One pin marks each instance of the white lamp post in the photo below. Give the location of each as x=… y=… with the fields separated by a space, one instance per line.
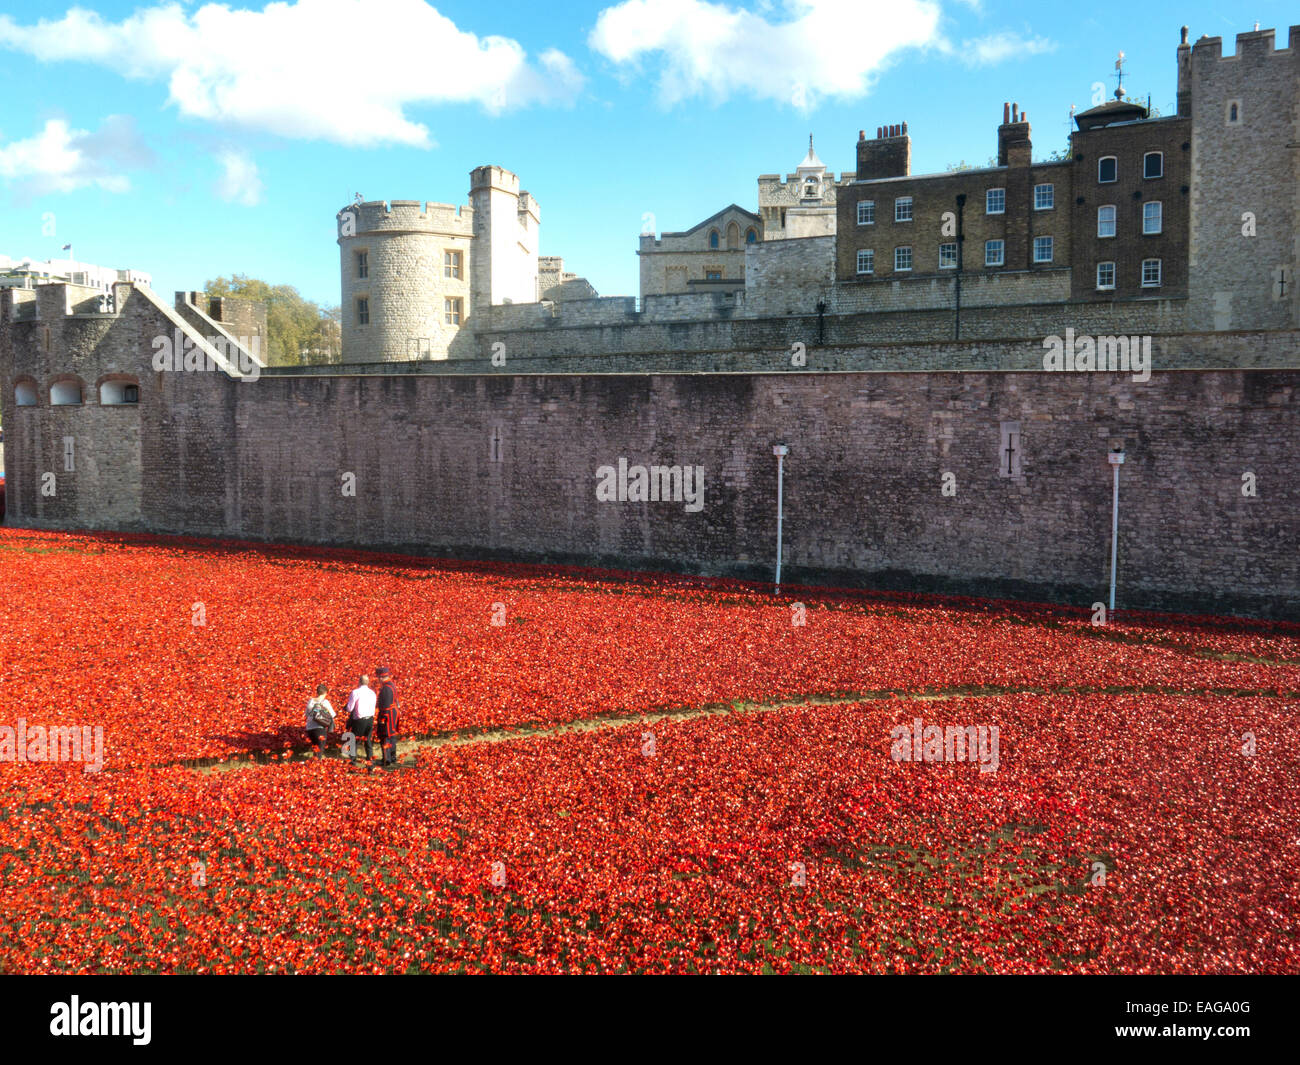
x=780 y=451
x=1116 y=459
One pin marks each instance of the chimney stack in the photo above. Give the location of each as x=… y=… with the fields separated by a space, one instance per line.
x=1014 y=145
x=889 y=155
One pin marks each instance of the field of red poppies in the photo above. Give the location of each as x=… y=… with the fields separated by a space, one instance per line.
x=627 y=773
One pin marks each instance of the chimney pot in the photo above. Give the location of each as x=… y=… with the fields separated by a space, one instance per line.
x=904 y=128
x=862 y=134
x=1006 y=113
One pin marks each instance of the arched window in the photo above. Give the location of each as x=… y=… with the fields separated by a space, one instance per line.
x=713 y=238
x=119 y=392
x=25 y=392
x=65 y=392
x=733 y=235
x=751 y=237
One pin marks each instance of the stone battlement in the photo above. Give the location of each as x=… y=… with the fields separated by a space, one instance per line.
x=1252 y=46
x=376 y=216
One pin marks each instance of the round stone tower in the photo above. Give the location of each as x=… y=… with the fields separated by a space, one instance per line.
x=405 y=269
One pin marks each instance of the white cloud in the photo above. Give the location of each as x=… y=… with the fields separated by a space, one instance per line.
x=823 y=48
x=239 y=181
x=62 y=159
x=335 y=70
x=997 y=47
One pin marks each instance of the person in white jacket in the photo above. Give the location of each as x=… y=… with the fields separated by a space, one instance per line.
x=361 y=715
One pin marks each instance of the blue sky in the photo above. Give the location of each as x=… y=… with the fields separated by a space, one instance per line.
x=194 y=140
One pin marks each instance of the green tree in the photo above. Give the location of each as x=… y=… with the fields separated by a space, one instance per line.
x=299 y=331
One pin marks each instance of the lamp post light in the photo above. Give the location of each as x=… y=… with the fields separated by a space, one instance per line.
x=1116 y=459
x=961 y=240
x=780 y=451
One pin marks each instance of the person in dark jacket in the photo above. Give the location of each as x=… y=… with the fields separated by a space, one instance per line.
x=386 y=720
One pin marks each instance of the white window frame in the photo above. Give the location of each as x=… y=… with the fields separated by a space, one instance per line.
x=1157 y=155
x=988 y=201
x=1002 y=252
x=1050 y=197
x=1113 y=277
x=1100 y=179
x=868 y=256
x=903 y=269
x=900 y=203
x=1051 y=249
x=866 y=212
x=1114 y=221
x=1160 y=273
x=1160 y=218
x=949 y=265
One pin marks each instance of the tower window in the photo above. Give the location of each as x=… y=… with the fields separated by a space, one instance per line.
x=1107 y=169
x=452 y=307
x=25 y=394
x=714 y=238
x=1152 y=217
x=1153 y=165
x=1234 y=113
x=1009 y=450
x=712 y=275
x=118 y=393
x=363 y=311
x=363 y=266
x=451 y=264
x=1106 y=221
x=65 y=393
x=751 y=236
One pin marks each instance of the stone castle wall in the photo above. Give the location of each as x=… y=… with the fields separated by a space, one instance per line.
x=505 y=465
x=1252 y=165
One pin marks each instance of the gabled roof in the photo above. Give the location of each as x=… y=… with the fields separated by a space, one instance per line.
x=714 y=218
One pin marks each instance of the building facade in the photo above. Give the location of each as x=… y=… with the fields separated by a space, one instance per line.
x=803 y=204
x=710 y=256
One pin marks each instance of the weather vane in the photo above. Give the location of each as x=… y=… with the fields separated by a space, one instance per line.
x=1119 y=76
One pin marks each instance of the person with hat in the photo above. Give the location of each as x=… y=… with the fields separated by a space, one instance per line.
x=386 y=721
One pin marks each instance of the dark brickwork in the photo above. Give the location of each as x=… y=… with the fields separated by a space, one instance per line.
x=1129 y=144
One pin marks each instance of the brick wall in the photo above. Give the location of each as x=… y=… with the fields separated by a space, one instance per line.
x=505 y=465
